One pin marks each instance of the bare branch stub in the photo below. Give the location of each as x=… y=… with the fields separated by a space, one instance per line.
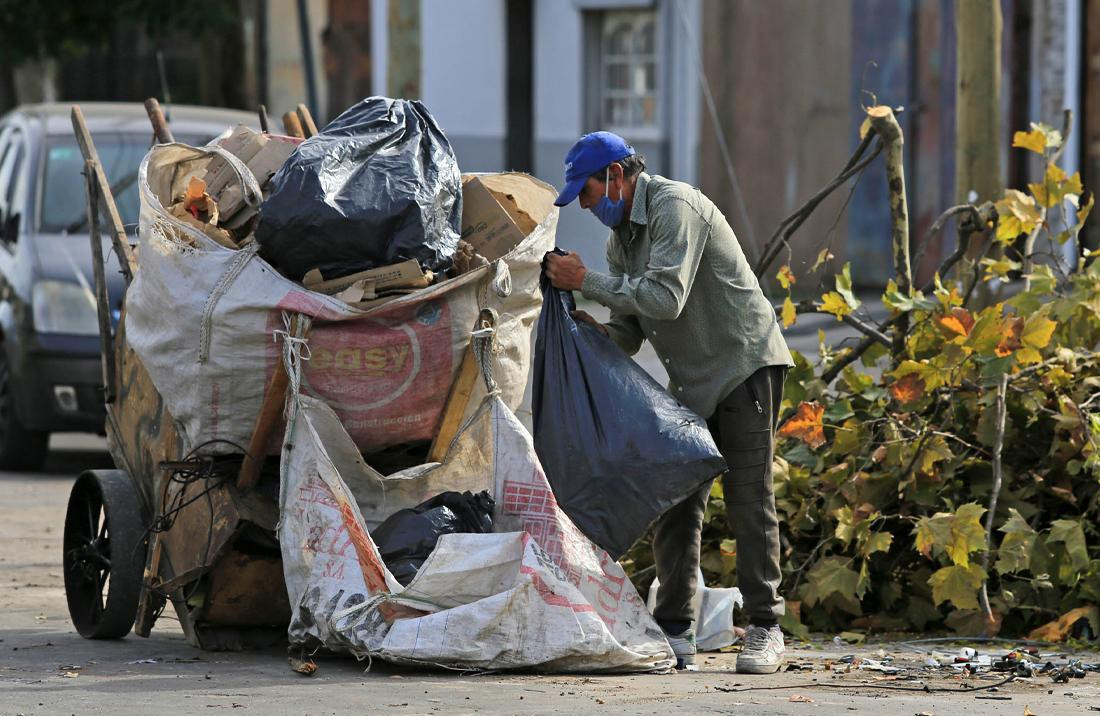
x=886 y=126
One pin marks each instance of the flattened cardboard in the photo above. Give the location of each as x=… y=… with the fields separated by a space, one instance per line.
x=405 y=274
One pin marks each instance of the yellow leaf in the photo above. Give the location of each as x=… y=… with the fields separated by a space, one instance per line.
x=1073 y=184
x=789 y=315
x=1013 y=327
x=1038 y=331
x=806 y=425
x=967 y=533
x=1017 y=214
x=1034 y=140
x=1027 y=356
x=1009 y=227
x=832 y=302
x=1083 y=212
x=930 y=374
x=1049 y=193
x=1059 y=629
x=958 y=322
x=958 y=584
x=865 y=128
x=786 y=277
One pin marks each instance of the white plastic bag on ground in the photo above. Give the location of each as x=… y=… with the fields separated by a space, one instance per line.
x=201 y=318
x=713 y=613
x=534 y=594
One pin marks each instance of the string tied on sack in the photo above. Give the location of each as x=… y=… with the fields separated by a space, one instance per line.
x=482 y=340
x=295 y=349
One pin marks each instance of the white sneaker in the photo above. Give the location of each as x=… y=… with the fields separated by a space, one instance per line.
x=763 y=651
x=683 y=648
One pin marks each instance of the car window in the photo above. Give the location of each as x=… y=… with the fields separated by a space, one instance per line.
x=11 y=154
x=63 y=207
x=15 y=174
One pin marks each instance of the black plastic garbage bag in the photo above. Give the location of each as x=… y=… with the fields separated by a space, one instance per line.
x=407 y=537
x=617 y=449
x=378 y=185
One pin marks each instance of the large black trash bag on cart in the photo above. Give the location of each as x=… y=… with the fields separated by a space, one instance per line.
x=617 y=449
x=407 y=537
x=378 y=185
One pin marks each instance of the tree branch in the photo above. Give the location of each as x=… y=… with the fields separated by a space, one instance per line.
x=789 y=225
x=998 y=444
x=808 y=306
x=937 y=226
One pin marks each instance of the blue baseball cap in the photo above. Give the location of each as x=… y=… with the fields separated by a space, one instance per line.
x=591 y=153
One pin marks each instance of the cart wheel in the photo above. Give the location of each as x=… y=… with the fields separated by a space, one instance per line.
x=104 y=559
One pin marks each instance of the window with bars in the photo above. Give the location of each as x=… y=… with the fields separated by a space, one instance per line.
x=628 y=70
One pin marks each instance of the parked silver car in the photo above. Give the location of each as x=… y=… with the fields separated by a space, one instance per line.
x=50 y=376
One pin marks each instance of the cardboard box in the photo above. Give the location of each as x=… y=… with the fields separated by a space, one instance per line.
x=500 y=210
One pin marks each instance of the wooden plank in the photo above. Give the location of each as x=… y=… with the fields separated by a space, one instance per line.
x=267 y=421
x=458 y=397
x=103 y=306
x=118 y=229
x=308 y=125
x=461 y=390
x=293 y=125
x=160 y=124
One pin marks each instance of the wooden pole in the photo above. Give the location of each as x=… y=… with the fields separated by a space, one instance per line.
x=309 y=127
x=103 y=307
x=885 y=124
x=292 y=125
x=978 y=142
x=403 y=66
x=160 y=124
x=118 y=231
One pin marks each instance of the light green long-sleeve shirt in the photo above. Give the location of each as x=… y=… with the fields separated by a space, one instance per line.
x=678 y=277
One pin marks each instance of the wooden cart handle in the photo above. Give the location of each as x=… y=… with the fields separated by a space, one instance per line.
x=160 y=124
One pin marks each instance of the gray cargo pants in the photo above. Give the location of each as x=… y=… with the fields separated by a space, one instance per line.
x=743 y=426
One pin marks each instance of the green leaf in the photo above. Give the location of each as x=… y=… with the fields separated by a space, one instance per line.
x=1070 y=533
x=822 y=256
x=792 y=625
x=957 y=584
x=957 y=535
x=876 y=542
x=844 y=286
x=830 y=576
x=986 y=333
x=933 y=534
x=846 y=439
x=1014 y=554
x=999 y=268
x=838 y=411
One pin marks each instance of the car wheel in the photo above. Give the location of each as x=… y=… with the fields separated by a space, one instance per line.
x=20 y=448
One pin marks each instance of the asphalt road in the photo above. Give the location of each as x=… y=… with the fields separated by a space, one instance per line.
x=46 y=668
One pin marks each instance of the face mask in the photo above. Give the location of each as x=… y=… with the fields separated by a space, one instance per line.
x=610 y=213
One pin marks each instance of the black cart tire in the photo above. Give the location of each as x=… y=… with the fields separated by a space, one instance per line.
x=104 y=554
x=20 y=448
